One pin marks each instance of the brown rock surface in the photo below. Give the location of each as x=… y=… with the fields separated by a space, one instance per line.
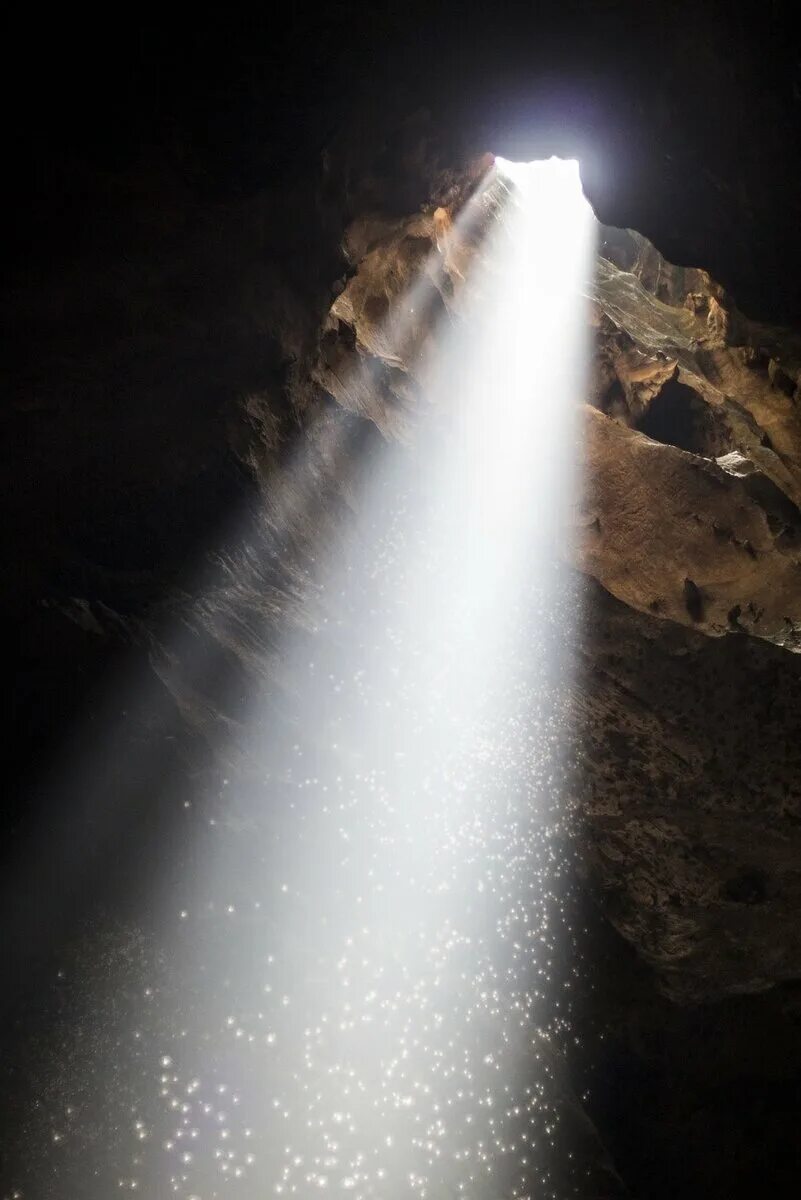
x=688 y=721
x=663 y=526
x=689 y=784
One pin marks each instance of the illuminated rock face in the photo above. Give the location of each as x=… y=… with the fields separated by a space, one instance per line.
x=691 y=448
x=702 y=512
x=689 y=723
x=679 y=536
x=687 y=699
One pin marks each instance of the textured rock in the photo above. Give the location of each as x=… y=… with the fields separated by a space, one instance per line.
x=690 y=789
x=687 y=722
x=673 y=533
x=676 y=361
x=663 y=526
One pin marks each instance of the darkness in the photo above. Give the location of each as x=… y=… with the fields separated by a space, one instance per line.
x=138 y=149
x=685 y=116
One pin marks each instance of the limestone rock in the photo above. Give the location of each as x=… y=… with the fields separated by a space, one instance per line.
x=662 y=525
x=671 y=533
x=689 y=763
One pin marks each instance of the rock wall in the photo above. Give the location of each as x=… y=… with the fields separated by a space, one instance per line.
x=690 y=454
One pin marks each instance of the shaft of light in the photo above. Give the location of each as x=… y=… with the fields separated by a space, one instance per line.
x=368 y=951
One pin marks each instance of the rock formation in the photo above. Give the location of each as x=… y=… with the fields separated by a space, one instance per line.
x=691 y=453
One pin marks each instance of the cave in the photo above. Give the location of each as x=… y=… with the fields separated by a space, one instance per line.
x=402 y=603
x=677 y=416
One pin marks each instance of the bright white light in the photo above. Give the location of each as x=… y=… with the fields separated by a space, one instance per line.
x=556 y=174
x=406 y=849
x=516 y=367
x=368 y=949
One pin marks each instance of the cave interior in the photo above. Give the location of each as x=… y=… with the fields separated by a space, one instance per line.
x=210 y=222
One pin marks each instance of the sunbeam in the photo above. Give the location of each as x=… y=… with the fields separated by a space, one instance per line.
x=388 y=944
x=373 y=949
